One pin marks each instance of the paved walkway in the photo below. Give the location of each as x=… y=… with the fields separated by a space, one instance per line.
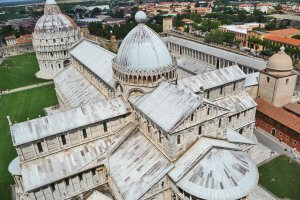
x=273 y=143
x=260 y=193
x=27 y=87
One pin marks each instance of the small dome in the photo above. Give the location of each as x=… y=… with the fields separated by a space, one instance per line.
x=140 y=17
x=142 y=49
x=14 y=167
x=280 y=61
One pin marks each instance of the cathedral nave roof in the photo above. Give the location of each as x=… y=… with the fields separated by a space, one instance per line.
x=42 y=127
x=96 y=59
x=75 y=90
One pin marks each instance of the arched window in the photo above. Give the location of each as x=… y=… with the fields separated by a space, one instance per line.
x=220 y=123
x=200 y=130
x=241 y=131
x=178 y=139
x=208 y=111
x=135 y=80
x=154 y=78
x=192 y=117
x=40 y=148
x=63 y=139
x=159 y=137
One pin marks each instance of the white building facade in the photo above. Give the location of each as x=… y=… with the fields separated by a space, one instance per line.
x=128 y=129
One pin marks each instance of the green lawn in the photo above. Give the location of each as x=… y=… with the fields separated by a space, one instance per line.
x=19 y=106
x=19 y=71
x=281 y=177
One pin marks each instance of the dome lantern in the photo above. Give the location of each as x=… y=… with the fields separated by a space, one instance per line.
x=140 y=17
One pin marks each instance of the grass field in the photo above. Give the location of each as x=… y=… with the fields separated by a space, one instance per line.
x=19 y=106
x=19 y=71
x=281 y=177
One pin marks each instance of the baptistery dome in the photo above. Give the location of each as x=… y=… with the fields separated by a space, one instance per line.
x=53 y=36
x=142 y=48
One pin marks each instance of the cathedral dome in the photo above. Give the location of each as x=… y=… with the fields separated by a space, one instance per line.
x=54 y=20
x=142 y=48
x=280 y=61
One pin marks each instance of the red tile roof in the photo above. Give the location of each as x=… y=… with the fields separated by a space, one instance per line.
x=279 y=114
x=285 y=32
x=283 y=40
x=293 y=107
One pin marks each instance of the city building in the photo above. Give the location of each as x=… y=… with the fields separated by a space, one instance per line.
x=10 y=40
x=27 y=22
x=126 y=128
x=241 y=31
x=167 y=24
x=53 y=36
x=276 y=89
x=263 y=7
x=279 y=123
x=286 y=19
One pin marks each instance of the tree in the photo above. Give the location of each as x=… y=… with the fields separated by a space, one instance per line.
x=278 y=7
x=228 y=37
x=195 y=17
x=296 y=37
x=95 y=11
x=215 y=36
x=208 y=25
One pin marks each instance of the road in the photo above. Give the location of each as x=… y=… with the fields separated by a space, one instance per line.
x=272 y=143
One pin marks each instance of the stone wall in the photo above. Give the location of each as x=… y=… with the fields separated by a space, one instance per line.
x=111 y=45
x=14 y=50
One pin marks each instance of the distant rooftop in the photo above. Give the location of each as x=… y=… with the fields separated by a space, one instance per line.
x=286 y=16
x=242 y=28
x=283 y=40
x=285 y=32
